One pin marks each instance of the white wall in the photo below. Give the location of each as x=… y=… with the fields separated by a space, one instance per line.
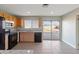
x=42 y=17
x=69 y=28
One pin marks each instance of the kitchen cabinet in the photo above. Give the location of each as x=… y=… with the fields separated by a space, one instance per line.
x=18 y=22
x=37 y=37
x=2 y=14
x=30 y=37
x=12 y=40
x=6 y=16
x=26 y=36
x=9 y=17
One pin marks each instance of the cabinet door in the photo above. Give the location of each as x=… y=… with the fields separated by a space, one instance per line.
x=18 y=22
x=1 y=14
x=21 y=36
x=26 y=37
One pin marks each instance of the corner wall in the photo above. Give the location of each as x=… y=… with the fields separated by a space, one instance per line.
x=69 y=28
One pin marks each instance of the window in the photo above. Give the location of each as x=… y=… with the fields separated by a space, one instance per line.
x=46 y=26
x=27 y=23
x=31 y=23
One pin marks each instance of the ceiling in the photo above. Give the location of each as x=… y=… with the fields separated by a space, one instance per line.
x=37 y=9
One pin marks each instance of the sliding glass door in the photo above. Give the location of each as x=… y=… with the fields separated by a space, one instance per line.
x=55 y=30
x=50 y=30
x=47 y=30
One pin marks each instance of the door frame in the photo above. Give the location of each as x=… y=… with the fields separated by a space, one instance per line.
x=77 y=32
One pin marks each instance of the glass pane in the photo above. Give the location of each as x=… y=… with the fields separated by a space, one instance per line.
x=55 y=30
x=47 y=23
x=27 y=23
x=31 y=24
x=55 y=26
x=47 y=29
x=47 y=26
x=35 y=24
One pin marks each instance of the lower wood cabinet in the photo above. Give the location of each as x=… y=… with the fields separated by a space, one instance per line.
x=26 y=36
x=30 y=37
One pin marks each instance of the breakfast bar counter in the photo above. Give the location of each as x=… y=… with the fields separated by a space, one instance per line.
x=30 y=35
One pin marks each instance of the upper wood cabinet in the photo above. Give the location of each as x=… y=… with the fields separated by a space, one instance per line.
x=7 y=16
x=18 y=22
x=1 y=14
x=10 y=17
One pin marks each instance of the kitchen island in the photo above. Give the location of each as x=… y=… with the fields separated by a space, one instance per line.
x=30 y=35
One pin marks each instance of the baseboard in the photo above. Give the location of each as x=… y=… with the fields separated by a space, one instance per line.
x=26 y=42
x=69 y=44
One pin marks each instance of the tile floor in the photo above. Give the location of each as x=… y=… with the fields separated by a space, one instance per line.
x=46 y=47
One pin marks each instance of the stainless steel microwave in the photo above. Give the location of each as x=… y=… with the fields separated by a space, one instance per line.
x=7 y=24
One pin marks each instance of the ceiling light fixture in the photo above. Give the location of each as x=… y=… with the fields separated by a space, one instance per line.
x=28 y=12
x=51 y=12
x=45 y=5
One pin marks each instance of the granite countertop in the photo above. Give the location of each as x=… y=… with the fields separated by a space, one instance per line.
x=29 y=30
